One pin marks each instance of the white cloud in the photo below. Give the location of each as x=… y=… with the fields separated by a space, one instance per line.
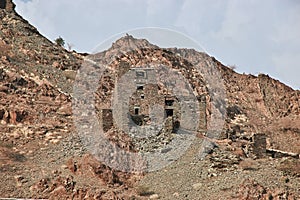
x=257 y=36
x=248 y=34
x=163 y=12
x=84 y=23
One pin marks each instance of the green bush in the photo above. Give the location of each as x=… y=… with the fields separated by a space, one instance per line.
x=60 y=41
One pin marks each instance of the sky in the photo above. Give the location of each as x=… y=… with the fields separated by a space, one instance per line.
x=254 y=36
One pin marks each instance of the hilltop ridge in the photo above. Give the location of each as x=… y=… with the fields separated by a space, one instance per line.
x=256 y=154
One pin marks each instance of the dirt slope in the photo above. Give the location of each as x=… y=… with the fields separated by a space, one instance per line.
x=42 y=155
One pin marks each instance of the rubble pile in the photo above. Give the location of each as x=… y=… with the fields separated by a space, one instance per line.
x=42 y=155
x=250 y=189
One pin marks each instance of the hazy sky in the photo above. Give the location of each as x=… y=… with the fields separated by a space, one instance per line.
x=256 y=36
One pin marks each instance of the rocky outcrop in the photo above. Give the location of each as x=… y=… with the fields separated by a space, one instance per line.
x=37 y=130
x=250 y=189
x=8 y=5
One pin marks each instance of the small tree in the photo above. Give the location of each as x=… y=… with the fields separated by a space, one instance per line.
x=60 y=41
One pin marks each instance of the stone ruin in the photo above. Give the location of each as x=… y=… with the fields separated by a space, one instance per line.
x=260 y=148
x=149 y=96
x=259 y=145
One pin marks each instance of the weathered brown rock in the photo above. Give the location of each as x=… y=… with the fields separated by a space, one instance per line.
x=37 y=130
x=8 y=5
x=250 y=189
x=65 y=109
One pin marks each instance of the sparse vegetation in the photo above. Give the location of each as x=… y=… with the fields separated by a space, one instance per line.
x=60 y=41
x=250 y=154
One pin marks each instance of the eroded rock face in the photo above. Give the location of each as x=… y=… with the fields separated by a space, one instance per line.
x=36 y=120
x=8 y=5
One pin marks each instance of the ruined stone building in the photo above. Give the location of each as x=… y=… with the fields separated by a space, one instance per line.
x=151 y=108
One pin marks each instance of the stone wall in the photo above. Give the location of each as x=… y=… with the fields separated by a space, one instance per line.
x=260 y=145
x=144 y=98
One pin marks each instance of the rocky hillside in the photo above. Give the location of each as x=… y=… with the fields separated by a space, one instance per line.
x=255 y=156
